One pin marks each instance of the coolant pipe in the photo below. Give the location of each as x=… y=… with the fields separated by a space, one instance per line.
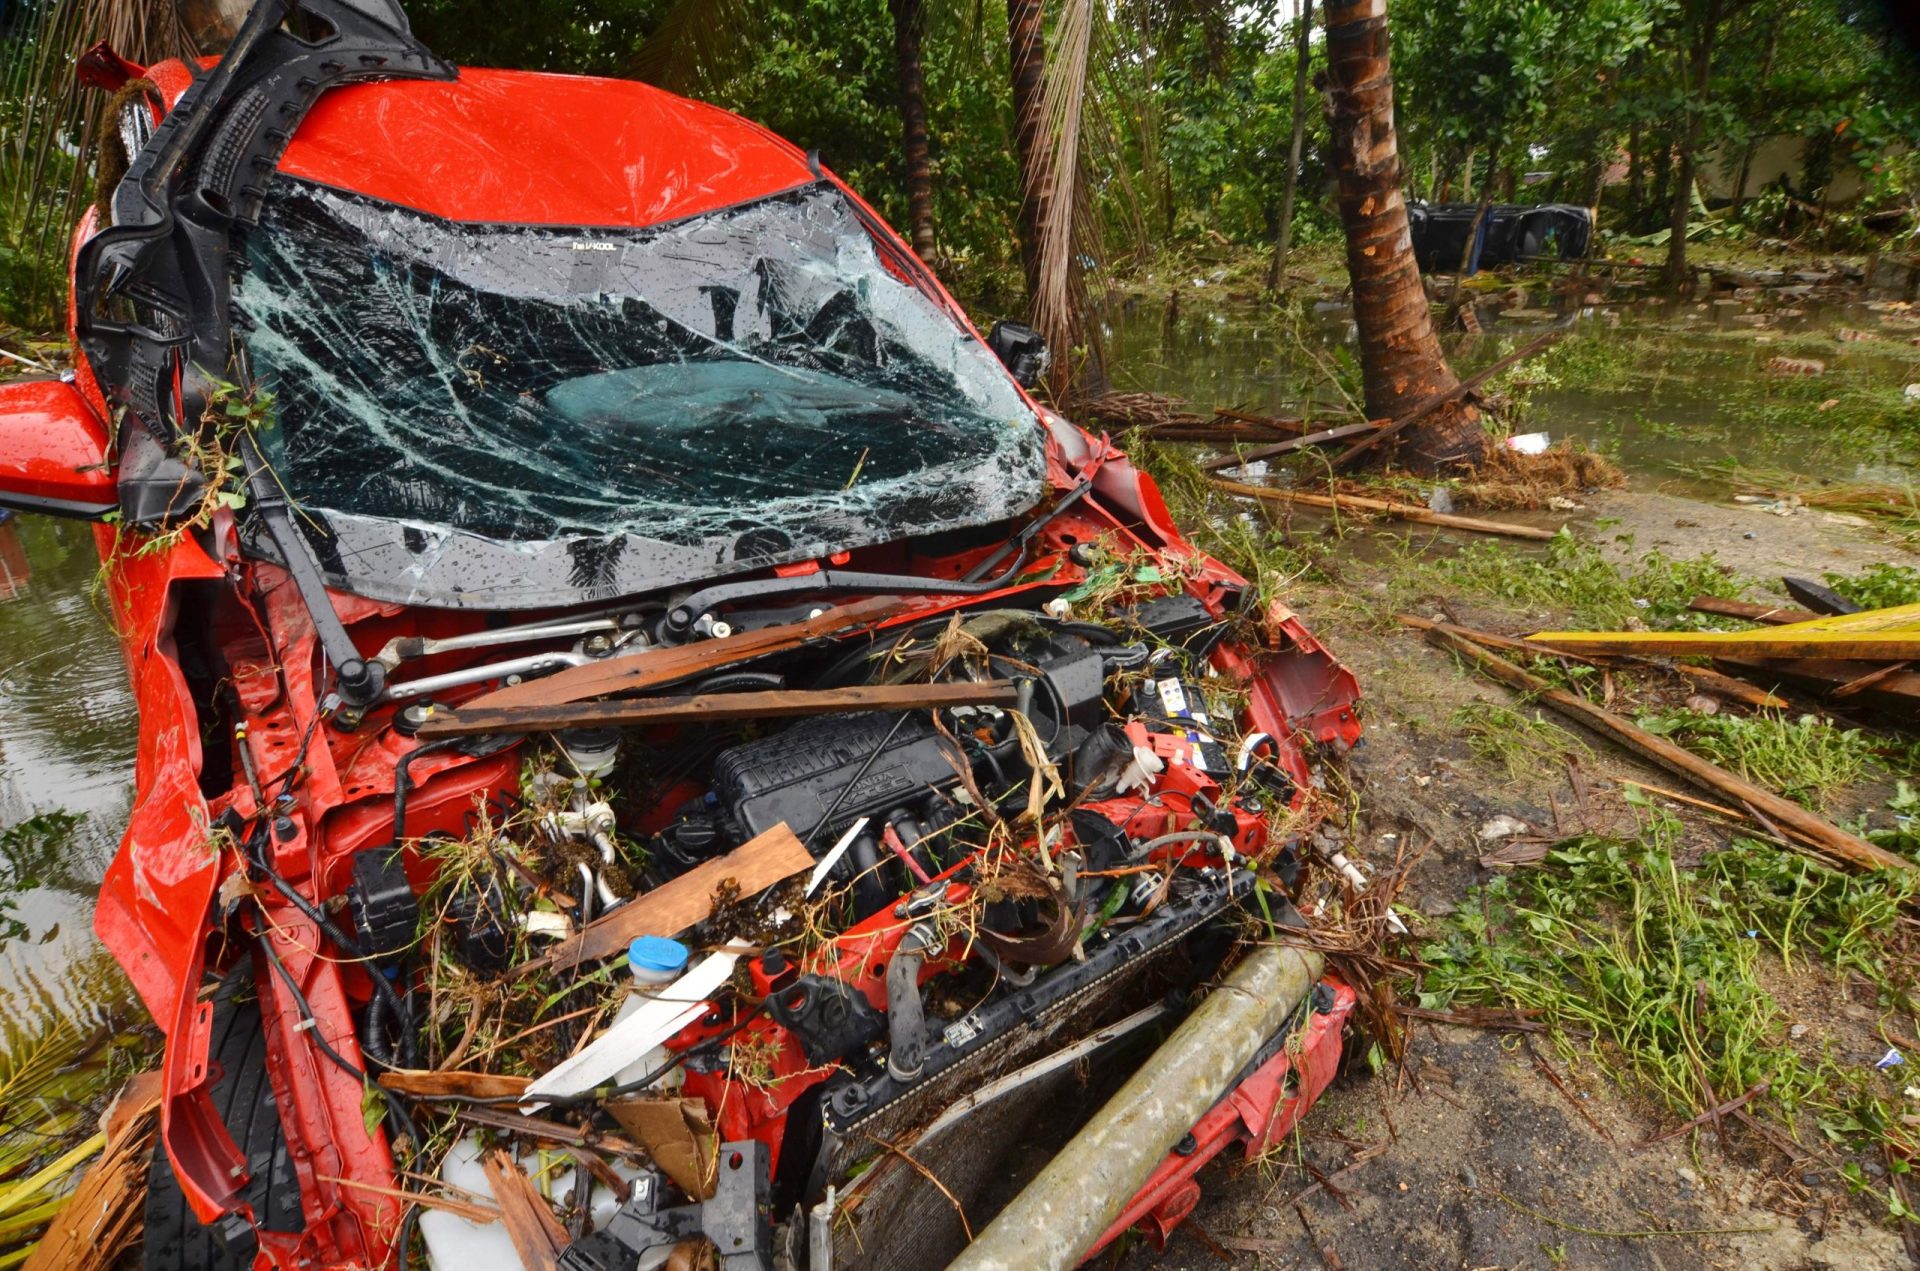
x=906 y=1020
x=1080 y=1193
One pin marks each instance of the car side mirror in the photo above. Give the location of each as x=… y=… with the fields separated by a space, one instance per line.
x=53 y=451
x=1021 y=349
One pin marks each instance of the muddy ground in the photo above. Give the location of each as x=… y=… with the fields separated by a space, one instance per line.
x=1471 y=1155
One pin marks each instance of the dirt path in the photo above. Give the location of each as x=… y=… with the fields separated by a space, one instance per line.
x=1472 y=1156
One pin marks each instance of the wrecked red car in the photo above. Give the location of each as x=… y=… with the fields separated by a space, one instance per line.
x=544 y=514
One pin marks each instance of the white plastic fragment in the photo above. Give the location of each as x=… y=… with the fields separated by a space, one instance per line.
x=1529 y=443
x=833 y=856
x=672 y=1009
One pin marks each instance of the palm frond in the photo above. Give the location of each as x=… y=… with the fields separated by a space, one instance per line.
x=1056 y=183
x=53 y=122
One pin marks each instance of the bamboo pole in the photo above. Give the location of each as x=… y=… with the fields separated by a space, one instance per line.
x=1071 y=1203
x=1401 y=511
x=1827 y=839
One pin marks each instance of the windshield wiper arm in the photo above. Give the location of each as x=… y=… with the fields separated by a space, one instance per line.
x=358 y=680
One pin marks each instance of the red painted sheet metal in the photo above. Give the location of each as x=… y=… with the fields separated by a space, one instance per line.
x=526 y=148
x=52 y=446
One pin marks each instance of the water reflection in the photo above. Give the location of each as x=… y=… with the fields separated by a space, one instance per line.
x=67 y=736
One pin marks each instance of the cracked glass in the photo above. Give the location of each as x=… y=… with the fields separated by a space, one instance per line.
x=515 y=415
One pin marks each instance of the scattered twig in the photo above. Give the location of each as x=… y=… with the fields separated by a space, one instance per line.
x=1711 y=1114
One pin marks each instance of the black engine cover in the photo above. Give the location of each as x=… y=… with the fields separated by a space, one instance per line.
x=796 y=775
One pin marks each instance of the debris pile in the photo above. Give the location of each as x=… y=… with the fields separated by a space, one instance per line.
x=726 y=958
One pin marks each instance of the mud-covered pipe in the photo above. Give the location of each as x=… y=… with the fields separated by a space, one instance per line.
x=1053 y=1223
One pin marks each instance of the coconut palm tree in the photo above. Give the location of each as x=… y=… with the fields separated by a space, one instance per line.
x=1400 y=357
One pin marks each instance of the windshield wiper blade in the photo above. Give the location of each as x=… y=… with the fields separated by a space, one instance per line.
x=682 y=618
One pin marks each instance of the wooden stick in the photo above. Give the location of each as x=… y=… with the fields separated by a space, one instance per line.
x=1428 y=405
x=1403 y=511
x=642 y=671
x=718 y=708
x=536 y=1234
x=1713 y=681
x=678 y=903
x=1870 y=679
x=1730 y=813
x=1778 y=615
x=1711 y=1114
x=1727 y=686
x=1292 y=444
x=1828 y=839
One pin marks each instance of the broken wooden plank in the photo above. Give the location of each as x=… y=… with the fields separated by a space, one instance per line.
x=1402 y=511
x=1870 y=679
x=718 y=708
x=656 y=667
x=537 y=1235
x=425 y=1084
x=1292 y=444
x=1832 y=842
x=1427 y=405
x=1778 y=615
x=678 y=903
x=1898 y=690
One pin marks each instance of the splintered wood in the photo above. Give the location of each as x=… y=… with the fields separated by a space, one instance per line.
x=677 y=904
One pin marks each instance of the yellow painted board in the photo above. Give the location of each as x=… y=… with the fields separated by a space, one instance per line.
x=1887 y=635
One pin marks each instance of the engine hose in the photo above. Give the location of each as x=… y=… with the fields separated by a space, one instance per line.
x=869 y=893
x=403 y=780
x=737 y=682
x=906 y=1018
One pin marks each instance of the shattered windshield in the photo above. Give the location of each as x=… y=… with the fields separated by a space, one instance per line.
x=514 y=415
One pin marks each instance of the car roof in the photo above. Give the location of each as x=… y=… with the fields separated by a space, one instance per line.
x=529 y=148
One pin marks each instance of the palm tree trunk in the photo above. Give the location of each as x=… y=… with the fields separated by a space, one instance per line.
x=1027 y=61
x=1400 y=357
x=908 y=23
x=1696 y=71
x=1283 y=236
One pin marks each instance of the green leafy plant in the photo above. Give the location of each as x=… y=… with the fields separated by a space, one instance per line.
x=1578 y=577
x=1881 y=585
x=1658 y=972
x=1805 y=758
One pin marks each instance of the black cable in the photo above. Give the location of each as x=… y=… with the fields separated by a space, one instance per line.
x=389 y=998
x=403 y=779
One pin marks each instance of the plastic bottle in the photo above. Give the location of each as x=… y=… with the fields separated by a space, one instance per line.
x=655 y=962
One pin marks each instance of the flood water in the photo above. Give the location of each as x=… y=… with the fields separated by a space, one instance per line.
x=66 y=746
x=1665 y=391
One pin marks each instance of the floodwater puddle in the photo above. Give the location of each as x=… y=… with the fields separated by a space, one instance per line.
x=1668 y=391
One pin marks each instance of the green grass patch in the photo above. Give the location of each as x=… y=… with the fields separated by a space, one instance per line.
x=1666 y=969
x=1879 y=586
x=1514 y=739
x=1804 y=759
x=1576 y=576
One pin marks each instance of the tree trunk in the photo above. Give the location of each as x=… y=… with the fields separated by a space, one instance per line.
x=1697 y=68
x=1283 y=237
x=908 y=23
x=1400 y=355
x=1027 y=60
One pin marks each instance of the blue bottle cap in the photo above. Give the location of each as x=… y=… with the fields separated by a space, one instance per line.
x=657 y=955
